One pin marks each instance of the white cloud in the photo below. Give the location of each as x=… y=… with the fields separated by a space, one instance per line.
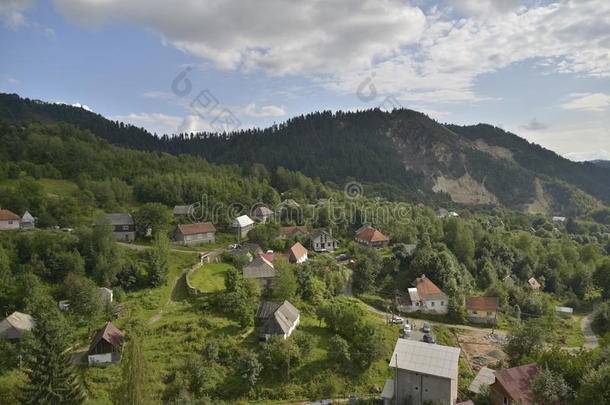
x=11 y=80
x=158 y=94
x=251 y=110
x=535 y=125
x=601 y=154
x=588 y=102
x=12 y=12
x=77 y=105
x=161 y=124
x=575 y=141
x=429 y=58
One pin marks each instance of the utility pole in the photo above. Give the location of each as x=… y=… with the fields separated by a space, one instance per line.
x=396 y=380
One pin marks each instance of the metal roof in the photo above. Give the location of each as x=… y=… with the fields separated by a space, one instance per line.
x=388 y=389
x=426 y=358
x=120 y=219
x=485 y=377
x=14 y=325
x=242 y=221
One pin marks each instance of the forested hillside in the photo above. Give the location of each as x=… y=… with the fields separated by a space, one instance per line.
x=402 y=155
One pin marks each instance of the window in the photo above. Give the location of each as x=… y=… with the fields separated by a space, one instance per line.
x=442 y=303
x=505 y=401
x=474 y=312
x=432 y=303
x=125 y=227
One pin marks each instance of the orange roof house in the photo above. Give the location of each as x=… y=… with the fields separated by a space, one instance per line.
x=482 y=309
x=198 y=233
x=9 y=220
x=289 y=231
x=372 y=237
x=297 y=253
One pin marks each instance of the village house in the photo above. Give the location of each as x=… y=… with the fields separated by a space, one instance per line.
x=260 y=269
x=15 y=325
x=484 y=378
x=513 y=385
x=262 y=214
x=242 y=225
x=425 y=373
x=239 y=254
x=182 y=211
x=9 y=220
x=297 y=253
x=195 y=234
x=482 y=309
x=293 y=231
x=253 y=247
x=27 y=221
x=123 y=226
x=560 y=220
x=425 y=297
x=373 y=238
x=534 y=283
x=106 y=346
x=277 y=318
x=323 y=241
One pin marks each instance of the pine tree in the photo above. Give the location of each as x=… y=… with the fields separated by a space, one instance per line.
x=50 y=374
x=158 y=260
x=133 y=389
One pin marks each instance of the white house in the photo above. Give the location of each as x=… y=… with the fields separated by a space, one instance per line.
x=242 y=225
x=425 y=296
x=297 y=253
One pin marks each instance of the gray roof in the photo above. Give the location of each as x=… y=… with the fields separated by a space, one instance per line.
x=262 y=211
x=242 y=221
x=182 y=209
x=27 y=217
x=484 y=378
x=320 y=233
x=253 y=247
x=426 y=358
x=14 y=325
x=280 y=317
x=259 y=268
x=120 y=219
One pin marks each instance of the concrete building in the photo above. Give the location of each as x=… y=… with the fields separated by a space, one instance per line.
x=242 y=225
x=423 y=373
x=425 y=297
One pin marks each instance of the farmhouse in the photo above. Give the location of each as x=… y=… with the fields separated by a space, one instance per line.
x=323 y=241
x=9 y=220
x=482 y=309
x=123 y=226
x=15 y=325
x=106 y=346
x=27 y=221
x=253 y=247
x=513 y=385
x=297 y=253
x=277 y=318
x=425 y=296
x=372 y=237
x=242 y=225
x=181 y=211
x=293 y=231
x=260 y=269
x=195 y=234
x=426 y=373
x=262 y=214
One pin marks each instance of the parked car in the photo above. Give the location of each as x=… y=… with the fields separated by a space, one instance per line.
x=396 y=319
x=234 y=246
x=429 y=338
x=426 y=328
x=407 y=328
x=342 y=257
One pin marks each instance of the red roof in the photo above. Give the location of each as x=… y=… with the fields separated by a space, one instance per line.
x=516 y=382
x=482 y=303
x=267 y=256
x=6 y=215
x=297 y=251
x=290 y=230
x=372 y=235
x=426 y=289
x=110 y=334
x=193 y=229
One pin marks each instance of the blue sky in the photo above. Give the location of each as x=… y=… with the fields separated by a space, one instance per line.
x=540 y=69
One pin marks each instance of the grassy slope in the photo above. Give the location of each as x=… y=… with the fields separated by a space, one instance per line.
x=210 y=277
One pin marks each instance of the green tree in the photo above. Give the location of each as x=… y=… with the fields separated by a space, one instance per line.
x=85 y=297
x=550 y=388
x=153 y=217
x=249 y=368
x=595 y=386
x=134 y=387
x=158 y=260
x=285 y=284
x=51 y=379
x=524 y=340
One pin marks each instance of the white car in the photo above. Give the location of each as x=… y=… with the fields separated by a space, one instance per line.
x=396 y=319
x=407 y=328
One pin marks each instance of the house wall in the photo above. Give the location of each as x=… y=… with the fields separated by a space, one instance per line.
x=417 y=389
x=12 y=224
x=498 y=394
x=125 y=236
x=324 y=243
x=243 y=231
x=488 y=317
x=435 y=306
x=195 y=239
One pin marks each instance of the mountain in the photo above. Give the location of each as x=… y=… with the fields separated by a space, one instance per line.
x=602 y=163
x=403 y=152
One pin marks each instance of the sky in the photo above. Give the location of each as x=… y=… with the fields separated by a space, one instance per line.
x=537 y=68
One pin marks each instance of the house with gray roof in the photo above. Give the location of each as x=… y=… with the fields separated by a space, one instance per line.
x=182 y=211
x=27 y=221
x=426 y=373
x=262 y=270
x=123 y=226
x=277 y=318
x=323 y=241
x=15 y=325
